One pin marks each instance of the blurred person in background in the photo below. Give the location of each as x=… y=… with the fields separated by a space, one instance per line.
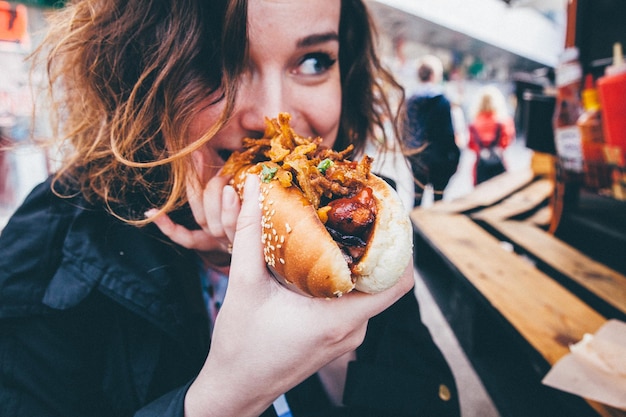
x=491 y=131
x=429 y=137
x=6 y=179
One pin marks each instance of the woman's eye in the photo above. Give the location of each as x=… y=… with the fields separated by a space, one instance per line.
x=317 y=63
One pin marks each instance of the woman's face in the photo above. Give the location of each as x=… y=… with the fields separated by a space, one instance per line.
x=293 y=67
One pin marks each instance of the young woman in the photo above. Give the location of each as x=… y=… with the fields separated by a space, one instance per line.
x=491 y=131
x=100 y=316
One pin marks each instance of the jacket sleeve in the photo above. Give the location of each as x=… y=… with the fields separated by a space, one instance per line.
x=171 y=404
x=508 y=132
x=46 y=368
x=54 y=365
x=400 y=371
x=70 y=344
x=473 y=140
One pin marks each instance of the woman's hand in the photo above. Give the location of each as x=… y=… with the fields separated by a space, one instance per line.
x=215 y=206
x=267 y=338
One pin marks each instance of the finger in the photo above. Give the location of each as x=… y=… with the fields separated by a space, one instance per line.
x=196 y=181
x=247 y=246
x=231 y=206
x=212 y=203
x=386 y=298
x=195 y=199
x=191 y=239
x=356 y=307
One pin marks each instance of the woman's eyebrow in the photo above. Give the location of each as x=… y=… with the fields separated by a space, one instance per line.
x=317 y=39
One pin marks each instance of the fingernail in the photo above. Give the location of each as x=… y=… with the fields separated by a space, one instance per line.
x=251 y=188
x=151 y=213
x=253 y=180
x=229 y=197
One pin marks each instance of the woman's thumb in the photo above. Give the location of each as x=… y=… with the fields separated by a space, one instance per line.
x=247 y=245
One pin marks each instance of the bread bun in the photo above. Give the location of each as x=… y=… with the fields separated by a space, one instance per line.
x=303 y=256
x=297 y=247
x=390 y=247
x=312 y=195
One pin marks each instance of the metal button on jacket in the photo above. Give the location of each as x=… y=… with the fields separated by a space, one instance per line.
x=444 y=392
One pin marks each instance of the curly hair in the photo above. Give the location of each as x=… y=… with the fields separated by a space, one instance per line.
x=127 y=77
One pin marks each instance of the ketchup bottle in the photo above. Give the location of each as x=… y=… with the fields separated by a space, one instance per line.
x=612 y=89
x=568 y=109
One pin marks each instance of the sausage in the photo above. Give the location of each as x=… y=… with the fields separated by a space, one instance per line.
x=354 y=215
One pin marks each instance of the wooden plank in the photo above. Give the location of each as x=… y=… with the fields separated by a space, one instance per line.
x=606 y=410
x=541 y=217
x=523 y=201
x=547 y=315
x=486 y=193
x=596 y=277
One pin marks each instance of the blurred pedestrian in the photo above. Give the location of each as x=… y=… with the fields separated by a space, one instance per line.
x=6 y=186
x=491 y=131
x=429 y=138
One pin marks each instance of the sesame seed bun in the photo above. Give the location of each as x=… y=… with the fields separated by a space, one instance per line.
x=390 y=248
x=303 y=256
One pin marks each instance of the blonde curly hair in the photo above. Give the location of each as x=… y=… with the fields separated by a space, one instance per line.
x=127 y=77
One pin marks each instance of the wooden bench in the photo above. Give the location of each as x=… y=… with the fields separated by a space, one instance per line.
x=541 y=217
x=487 y=193
x=526 y=200
x=508 y=293
x=608 y=285
x=532 y=302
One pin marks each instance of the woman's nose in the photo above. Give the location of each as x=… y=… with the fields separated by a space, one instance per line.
x=260 y=98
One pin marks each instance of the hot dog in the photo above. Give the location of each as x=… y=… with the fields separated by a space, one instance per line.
x=329 y=224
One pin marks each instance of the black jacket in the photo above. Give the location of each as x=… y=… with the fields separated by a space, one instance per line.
x=429 y=122
x=99 y=318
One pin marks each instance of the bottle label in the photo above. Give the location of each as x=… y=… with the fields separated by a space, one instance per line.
x=568 y=73
x=569 y=147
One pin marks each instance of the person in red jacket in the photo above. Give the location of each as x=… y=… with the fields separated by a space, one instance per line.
x=491 y=131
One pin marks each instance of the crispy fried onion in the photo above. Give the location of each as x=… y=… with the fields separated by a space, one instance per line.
x=293 y=160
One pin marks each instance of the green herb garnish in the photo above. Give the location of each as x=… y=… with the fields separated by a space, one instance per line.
x=267 y=173
x=324 y=165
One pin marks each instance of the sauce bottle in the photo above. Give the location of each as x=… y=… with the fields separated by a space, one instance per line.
x=597 y=173
x=568 y=109
x=612 y=90
x=612 y=87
